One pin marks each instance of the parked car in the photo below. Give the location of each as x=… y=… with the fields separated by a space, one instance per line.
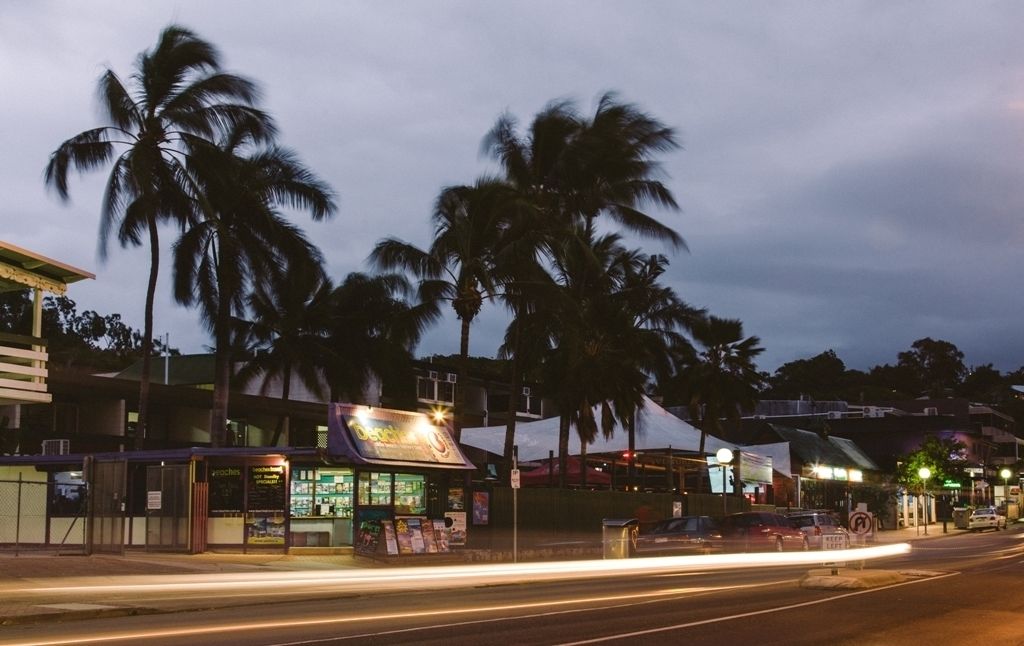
x=759 y=531
x=817 y=525
x=687 y=534
x=985 y=518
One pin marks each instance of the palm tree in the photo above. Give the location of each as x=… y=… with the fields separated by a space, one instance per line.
x=240 y=239
x=458 y=266
x=177 y=95
x=573 y=170
x=290 y=318
x=722 y=379
x=372 y=332
x=611 y=329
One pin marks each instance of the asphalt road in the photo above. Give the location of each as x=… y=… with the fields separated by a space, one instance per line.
x=965 y=589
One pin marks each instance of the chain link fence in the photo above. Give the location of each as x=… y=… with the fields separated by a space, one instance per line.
x=25 y=525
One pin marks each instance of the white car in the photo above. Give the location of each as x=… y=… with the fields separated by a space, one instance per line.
x=985 y=518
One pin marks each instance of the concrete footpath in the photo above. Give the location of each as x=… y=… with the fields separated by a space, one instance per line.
x=34 y=570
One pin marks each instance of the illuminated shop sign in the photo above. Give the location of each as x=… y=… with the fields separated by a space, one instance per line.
x=378 y=434
x=838 y=473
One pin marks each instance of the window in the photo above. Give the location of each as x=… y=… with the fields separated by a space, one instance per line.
x=433 y=389
x=68 y=496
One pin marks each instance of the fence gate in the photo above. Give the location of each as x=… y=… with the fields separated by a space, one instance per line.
x=106 y=505
x=167 y=504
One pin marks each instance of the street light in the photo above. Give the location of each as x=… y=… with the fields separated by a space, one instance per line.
x=724 y=456
x=925 y=473
x=1006 y=486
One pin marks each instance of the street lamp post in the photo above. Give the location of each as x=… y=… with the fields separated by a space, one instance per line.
x=724 y=456
x=925 y=473
x=1006 y=486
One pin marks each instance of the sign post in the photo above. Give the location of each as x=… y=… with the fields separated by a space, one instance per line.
x=515 y=503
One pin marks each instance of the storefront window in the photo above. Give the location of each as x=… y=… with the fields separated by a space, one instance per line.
x=375 y=488
x=410 y=494
x=322 y=492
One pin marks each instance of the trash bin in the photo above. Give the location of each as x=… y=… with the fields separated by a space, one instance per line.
x=960 y=517
x=618 y=536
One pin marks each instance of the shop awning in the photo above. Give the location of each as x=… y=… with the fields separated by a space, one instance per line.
x=370 y=435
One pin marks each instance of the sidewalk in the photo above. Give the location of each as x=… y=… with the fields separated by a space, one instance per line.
x=35 y=571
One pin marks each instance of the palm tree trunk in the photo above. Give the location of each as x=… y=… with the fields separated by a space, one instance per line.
x=283 y=420
x=142 y=425
x=631 y=467
x=563 y=449
x=460 y=388
x=513 y=405
x=222 y=373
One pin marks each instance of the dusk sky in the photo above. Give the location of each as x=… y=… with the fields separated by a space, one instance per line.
x=851 y=178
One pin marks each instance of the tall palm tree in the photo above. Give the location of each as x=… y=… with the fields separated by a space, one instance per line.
x=572 y=170
x=372 y=331
x=177 y=95
x=240 y=238
x=722 y=379
x=290 y=318
x=458 y=265
x=611 y=330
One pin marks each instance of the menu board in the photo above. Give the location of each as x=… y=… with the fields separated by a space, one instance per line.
x=266 y=487
x=225 y=490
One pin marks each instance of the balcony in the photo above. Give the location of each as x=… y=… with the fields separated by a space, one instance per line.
x=23 y=370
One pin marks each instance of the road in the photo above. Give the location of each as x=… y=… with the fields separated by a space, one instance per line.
x=961 y=589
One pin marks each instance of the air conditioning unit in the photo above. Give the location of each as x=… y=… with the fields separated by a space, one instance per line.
x=452 y=377
x=931 y=411
x=432 y=374
x=526 y=391
x=835 y=414
x=56 y=447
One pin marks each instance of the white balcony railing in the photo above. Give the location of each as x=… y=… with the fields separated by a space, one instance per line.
x=23 y=370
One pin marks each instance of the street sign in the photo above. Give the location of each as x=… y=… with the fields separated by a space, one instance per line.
x=515 y=478
x=860 y=523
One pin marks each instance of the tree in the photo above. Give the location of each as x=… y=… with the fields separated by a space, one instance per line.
x=178 y=95
x=290 y=319
x=721 y=379
x=820 y=377
x=372 y=330
x=937 y=365
x=240 y=239
x=983 y=384
x=458 y=267
x=944 y=457
x=571 y=170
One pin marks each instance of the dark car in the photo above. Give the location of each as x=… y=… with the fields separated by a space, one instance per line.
x=760 y=531
x=697 y=534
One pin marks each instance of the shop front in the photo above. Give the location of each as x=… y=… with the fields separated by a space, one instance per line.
x=383 y=470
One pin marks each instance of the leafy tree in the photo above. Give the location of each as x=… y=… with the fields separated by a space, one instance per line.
x=821 y=377
x=938 y=366
x=983 y=383
x=240 y=239
x=945 y=458
x=177 y=95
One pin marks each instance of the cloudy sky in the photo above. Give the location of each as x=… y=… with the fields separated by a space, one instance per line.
x=852 y=175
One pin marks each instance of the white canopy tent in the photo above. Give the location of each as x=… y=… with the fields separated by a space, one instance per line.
x=657 y=429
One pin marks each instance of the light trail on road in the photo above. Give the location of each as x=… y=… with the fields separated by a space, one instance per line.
x=349 y=580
